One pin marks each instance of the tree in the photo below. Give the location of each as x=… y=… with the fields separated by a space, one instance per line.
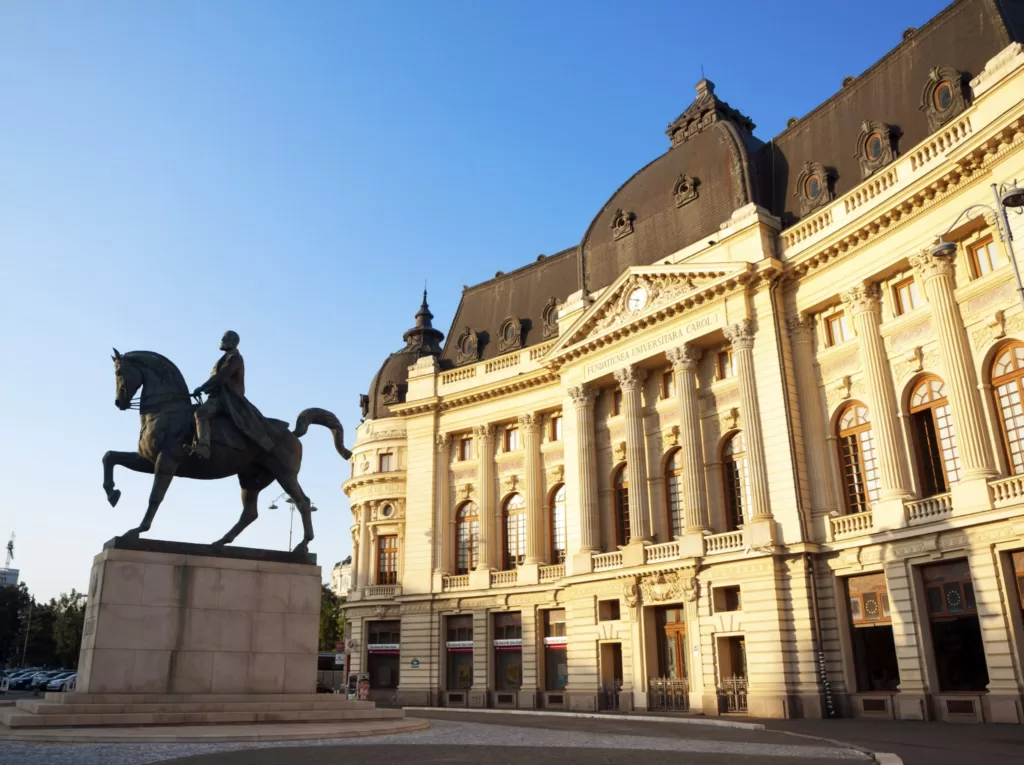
x=69 y=618
x=14 y=600
x=330 y=619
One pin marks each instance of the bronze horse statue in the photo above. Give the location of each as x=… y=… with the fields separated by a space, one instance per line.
x=166 y=411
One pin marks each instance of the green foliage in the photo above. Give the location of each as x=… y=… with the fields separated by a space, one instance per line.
x=54 y=629
x=14 y=600
x=69 y=618
x=330 y=619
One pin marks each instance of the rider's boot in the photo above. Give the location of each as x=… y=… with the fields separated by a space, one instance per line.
x=201 y=448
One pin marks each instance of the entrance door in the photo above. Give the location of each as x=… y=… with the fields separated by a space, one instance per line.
x=671 y=643
x=611 y=675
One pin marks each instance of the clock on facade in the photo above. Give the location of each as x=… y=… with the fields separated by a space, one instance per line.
x=637 y=299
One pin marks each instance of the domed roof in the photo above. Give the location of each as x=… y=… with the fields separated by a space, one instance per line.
x=680 y=198
x=389 y=385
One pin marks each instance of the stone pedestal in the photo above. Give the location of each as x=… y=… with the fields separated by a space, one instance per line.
x=175 y=618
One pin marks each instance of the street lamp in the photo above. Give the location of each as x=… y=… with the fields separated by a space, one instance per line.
x=291 y=512
x=1007 y=195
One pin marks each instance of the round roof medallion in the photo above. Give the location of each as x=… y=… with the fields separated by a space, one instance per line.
x=874 y=146
x=467 y=344
x=387 y=511
x=510 y=332
x=637 y=299
x=813 y=186
x=943 y=96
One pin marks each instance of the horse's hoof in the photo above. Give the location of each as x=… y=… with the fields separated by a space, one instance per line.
x=302 y=547
x=113 y=496
x=219 y=544
x=132 y=534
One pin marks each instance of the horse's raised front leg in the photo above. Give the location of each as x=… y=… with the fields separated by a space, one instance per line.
x=163 y=470
x=130 y=460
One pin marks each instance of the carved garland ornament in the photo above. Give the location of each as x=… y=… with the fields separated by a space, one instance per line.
x=668 y=586
x=660 y=289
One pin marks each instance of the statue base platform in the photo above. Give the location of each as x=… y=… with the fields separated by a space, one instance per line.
x=175 y=618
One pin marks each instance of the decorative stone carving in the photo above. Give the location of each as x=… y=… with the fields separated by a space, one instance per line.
x=509 y=484
x=730 y=419
x=389 y=394
x=661 y=587
x=685 y=189
x=741 y=334
x=364 y=465
x=944 y=96
x=684 y=357
x=483 y=433
x=927 y=266
x=442 y=441
x=670 y=436
x=622 y=224
x=549 y=318
x=661 y=290
x=862 y=297
x=706 y=110
x=630 y=376
x=801 y=327
x=510 y=335
x=619 y=451
x=467 y=347
x=583 y=395
x=813 y=187
x=631 y=592
x=555 y=475
x=915 y=360
x=529 y=420
x=465 y=491
x=876 y=146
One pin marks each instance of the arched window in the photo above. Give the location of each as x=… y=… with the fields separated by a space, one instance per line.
x=621 y=487
x=737 y=481
x=1008 y=384
x=857 y=458
x=674 y=492
x=515 y=531
x=558 y=525
x=938 y=459
x=467 y=535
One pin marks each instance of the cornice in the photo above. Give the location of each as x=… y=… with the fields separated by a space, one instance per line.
x=394 y=476
x=948 y=179
x=518 y=384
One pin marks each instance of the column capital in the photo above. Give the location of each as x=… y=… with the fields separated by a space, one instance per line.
x=442 y=440
x=926 y=265
x=740 y=334
x=529 y=420
x=861 y=298
x=801 y=328
x=583 y=395
x=484 y=432
x=630 y=376
x=684 y=358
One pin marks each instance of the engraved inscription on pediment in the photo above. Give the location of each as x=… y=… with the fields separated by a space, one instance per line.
x=641 y=293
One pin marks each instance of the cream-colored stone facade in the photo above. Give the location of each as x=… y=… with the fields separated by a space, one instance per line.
x=638 y=378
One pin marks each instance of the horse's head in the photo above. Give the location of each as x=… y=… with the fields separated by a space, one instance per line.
x=128 y=379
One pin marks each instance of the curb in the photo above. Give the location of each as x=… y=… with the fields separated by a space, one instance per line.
x=882 y=758
x=595 y=716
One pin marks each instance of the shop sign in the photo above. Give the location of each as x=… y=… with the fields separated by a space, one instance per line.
x=383 y=647
x=512 y=644
x=339 y=660
x=460 y=646
x=558 y=641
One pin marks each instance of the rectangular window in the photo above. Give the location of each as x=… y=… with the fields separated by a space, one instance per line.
x=906 y=296
x=387 y=559
x=837 y=329
x=1018 y=572
x=508 y=651
x=608 y=610
x=556 y=428
x=956 y=631
x=616 y=402
x=465 y=448
x=668 y=384
x=511 y=439
x=727 y=598
x=725 y=364
x=871 y=636
x=459 y=650
x=385 y=463
x=985 y=257
x=383 y=653
x=556 y=663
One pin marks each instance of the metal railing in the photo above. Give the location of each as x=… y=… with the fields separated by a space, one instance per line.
x=733 y=694
x=610 y=692
x=668 y=694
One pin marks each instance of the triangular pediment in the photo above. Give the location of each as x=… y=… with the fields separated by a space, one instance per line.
x=641 y=293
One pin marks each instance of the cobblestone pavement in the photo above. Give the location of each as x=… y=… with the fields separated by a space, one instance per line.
x=495 y=741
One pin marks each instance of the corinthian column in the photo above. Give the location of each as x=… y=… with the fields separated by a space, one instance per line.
x=529 y=426
x=484 y=435
x=583 y=398
x=631 y=381
x=365 y=577
x=823 y=495
x=962 y=384
x=741 y=336
x=443 y=442
x=862 y=303
x=695 y=506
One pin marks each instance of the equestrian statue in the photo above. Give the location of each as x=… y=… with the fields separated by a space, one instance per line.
x=224 y=436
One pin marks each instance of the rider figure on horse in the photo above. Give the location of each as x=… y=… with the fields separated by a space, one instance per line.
x=226 y=395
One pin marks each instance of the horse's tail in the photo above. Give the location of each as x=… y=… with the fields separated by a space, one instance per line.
x=316 y=416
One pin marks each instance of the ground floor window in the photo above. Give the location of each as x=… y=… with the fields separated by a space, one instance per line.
x=459 y=652
x=871 y=638
x=956 y=632
x=383 y=647
x=508 y=651
x=671 y=635
x=1018 y=572
x=556 y=662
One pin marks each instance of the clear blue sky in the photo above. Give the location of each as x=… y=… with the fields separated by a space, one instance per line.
x=294 y=171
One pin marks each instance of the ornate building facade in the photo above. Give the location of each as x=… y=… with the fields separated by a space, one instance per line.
x=756 y=444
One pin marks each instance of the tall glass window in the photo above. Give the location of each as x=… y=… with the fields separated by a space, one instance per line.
x=1007 y=384
x=857 y=458
x=558 y=546
x=674 y=492
x=737 y=481
x=515 y=531
x=467 y=533
x=621 y=487
x=938 y=458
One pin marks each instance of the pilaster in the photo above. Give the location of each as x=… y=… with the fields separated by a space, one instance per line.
x=442 y=510
x=695 y=506
x=630 y=380
x=583 y=398
x=484 y=436
x=530 y=428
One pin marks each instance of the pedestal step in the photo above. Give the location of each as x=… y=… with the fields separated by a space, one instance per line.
x=123 y=710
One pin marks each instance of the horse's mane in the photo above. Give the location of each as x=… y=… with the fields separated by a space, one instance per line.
x=161 y=366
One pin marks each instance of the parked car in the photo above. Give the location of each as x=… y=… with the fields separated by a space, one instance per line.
x=61 y=682
x=40 y=679
x=20 y=682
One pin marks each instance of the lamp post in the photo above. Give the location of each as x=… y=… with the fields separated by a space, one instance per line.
x=1008 y=194
x=291 y=512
